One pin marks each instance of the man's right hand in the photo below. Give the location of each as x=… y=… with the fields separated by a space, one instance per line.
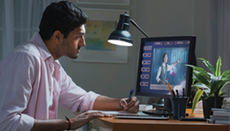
x=85 y=117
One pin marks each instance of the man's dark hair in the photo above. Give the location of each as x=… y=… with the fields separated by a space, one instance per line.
x=63 y=16
x=164 y=56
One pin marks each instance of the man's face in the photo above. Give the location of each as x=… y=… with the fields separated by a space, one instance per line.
x=166 y=58
x=74 y=41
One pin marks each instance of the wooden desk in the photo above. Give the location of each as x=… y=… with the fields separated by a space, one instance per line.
x=112 y=124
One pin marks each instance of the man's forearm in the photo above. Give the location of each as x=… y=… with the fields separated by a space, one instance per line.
x=50 y=125
x=107 y=103
x=62 y=124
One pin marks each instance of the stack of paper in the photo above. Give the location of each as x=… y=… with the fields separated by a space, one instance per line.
x=220 y=116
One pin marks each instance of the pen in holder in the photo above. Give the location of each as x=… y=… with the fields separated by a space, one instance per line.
x=179 y=106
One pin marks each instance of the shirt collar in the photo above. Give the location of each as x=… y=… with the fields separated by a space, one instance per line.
x=45 y=54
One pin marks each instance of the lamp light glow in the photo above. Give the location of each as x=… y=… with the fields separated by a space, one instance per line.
x=120 y=43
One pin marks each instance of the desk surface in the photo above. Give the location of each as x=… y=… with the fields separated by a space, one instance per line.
x=158 y=125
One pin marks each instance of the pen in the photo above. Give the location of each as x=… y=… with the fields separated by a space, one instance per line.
x=177 y=93
x=170 y=89
x=183 y=92
x=173 y=93
x=130 y=94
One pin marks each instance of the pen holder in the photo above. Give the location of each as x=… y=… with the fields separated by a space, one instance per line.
x=179 y=106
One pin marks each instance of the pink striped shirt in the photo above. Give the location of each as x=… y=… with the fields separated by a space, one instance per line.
x=25 y=83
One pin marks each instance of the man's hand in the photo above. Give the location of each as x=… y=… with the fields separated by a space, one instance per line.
x=162 y=81
x=62 y=124
x=132 y=106
x=85 y=117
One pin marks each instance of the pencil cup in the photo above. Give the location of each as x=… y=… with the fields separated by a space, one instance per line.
x=179 y=106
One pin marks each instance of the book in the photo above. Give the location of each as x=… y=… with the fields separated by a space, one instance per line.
x=221 y=113
x=222 y=122
x=219 y=117
x=220 y=109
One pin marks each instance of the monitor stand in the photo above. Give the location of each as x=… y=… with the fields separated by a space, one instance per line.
x=161 y=109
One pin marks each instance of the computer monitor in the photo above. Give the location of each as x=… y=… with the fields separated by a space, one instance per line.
x=174 y=52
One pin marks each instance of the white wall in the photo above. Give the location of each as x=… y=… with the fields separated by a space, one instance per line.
x=201 y=28
x=166 y=17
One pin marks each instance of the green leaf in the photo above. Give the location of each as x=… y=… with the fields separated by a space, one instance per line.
x=200 y=78
x=218 y=67
x=198 y=69
x=196 y=99
x=222 y=86
x=214 y=85
x=224 y=93
x=193 y=81
x=223 y=82
x=208 y=64
x=226 y=74
x=201 y=85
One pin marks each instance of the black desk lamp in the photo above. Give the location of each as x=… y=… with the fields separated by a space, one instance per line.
x=121 y=35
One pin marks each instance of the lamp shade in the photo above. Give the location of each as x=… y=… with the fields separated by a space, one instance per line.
x=121 y=35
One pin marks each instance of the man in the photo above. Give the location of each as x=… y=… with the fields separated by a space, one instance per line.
x=33 y=83
x=162 y=71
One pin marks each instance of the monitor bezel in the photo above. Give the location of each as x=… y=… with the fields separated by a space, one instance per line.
x=191 y=60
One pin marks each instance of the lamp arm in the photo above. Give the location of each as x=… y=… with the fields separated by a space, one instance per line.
x=132 y=21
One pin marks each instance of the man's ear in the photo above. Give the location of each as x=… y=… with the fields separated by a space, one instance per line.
x=57 y=37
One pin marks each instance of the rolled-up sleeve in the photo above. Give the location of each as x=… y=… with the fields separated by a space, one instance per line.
x=16 y=78
x=74 y=97
x=19 y=122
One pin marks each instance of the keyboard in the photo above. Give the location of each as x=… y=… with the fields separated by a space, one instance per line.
x=148 y=117
x=158 y=112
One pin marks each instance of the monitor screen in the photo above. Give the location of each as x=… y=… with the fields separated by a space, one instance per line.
x=165 y=57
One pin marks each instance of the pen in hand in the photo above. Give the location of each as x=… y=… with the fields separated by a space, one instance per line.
x=130 y=95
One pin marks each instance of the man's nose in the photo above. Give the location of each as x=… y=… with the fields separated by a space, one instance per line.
x=82 y=42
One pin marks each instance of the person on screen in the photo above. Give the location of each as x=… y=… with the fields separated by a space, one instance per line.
x=33 y=83
x=162 y=70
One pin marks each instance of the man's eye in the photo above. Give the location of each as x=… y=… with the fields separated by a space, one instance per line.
x=78 y=37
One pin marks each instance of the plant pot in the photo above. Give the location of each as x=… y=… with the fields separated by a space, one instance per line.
x=211 y=102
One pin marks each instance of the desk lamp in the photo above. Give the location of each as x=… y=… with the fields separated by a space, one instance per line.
x=121 y=35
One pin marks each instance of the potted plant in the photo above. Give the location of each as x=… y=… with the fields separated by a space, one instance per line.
x=209 y=85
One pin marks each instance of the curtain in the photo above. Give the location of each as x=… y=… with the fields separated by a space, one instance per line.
x=218 y=34
x=19 y=19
